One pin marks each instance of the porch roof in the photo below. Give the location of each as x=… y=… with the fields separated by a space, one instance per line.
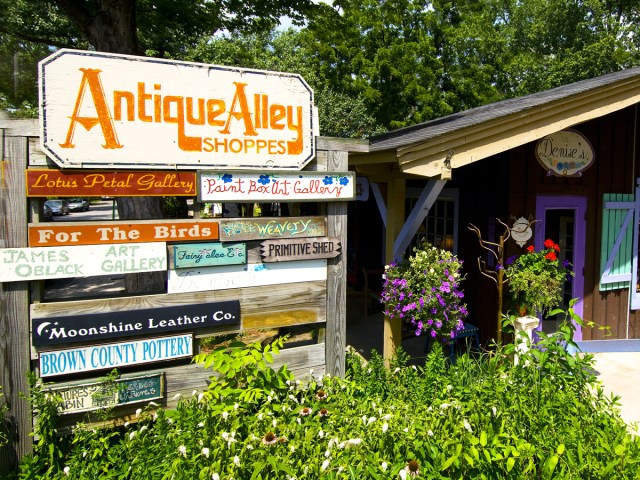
x=433 y=148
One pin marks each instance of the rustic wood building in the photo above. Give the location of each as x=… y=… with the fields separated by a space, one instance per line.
x=480 y=166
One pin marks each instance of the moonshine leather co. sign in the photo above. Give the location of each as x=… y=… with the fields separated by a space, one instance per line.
x=209 y=254
x=100 y=109
x=566 y=153
x=99 y=326
x=122 y=391
x=272 y=187
x=299 y=249
x=22 y=264
x=115 y=355
x=91 y=233
x=277 y=227
x=54 y=183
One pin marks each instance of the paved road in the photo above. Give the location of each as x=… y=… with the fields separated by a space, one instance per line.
x=102 y=210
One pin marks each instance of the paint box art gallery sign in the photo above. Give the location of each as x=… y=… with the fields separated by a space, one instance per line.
x=129 y=323
x=100 y=110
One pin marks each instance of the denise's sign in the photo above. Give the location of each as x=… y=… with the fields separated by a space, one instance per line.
x=100 y=110
x=566 y=153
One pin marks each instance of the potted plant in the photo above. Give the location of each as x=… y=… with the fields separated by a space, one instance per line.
x=424 y=292
x=536 y=279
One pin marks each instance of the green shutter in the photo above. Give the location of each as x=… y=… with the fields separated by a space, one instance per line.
x=617 y=241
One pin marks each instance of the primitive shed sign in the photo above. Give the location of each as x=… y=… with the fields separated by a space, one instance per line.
x=102 y=110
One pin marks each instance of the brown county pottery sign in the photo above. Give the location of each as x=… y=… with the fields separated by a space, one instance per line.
x=105 y=110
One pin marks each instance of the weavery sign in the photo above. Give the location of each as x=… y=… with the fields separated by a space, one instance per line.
x=275 y=187
x=40 y=263
x=114 y=355
x=55 y=183
x=299 y=249
x=130 y=323
x=209 y=254
x=84 y=397
x=263 y=228
x=241 y=276
x=101 y=109
x=565 y=153
x=92 y=233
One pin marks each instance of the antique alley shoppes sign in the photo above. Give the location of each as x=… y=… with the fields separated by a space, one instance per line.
x=105 y=110
x=100 y=326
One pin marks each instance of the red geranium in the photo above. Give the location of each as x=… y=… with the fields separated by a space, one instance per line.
x=551 y=256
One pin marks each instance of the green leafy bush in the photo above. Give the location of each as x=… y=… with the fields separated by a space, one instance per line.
x=480 y=418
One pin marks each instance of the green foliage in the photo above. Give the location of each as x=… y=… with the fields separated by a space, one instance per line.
x=4 y=436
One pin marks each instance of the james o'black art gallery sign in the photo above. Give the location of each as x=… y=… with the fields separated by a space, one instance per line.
x=150 y=321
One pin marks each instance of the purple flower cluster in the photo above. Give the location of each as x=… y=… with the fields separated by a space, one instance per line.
x=424 y=291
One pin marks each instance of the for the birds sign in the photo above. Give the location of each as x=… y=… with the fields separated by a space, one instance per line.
x=101 y=110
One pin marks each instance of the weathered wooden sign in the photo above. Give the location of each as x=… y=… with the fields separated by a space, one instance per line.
x=275 y=187
x=209 y=254
x=250 y=275
x=565 y=153
x=56 y=183
x=85 y=397
x=23 y=264
x=130 y=323
x=286 y=250
x=101 y=109
x=277 y=227
x=114 y=355
x=93 y=233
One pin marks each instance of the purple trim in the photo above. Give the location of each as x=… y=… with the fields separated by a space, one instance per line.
x=579 y=205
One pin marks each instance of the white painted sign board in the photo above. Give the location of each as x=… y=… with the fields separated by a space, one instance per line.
x=102 y=110
x=250 y=275
x=114 y=355
x=40 y=263
x=275 y=187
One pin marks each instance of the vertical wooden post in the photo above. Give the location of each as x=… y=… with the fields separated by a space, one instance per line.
x=14 y=307
x=395 y=219
x=336 y=333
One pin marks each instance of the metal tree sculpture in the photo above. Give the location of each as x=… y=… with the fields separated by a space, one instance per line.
x=497 y=274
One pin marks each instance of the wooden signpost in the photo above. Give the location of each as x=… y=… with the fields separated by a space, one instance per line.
x=56 y=183
x=129 y=323
x=237 y=229
x=21 y=264
x=102 y=109
x=92 y=233
x=209 y=254
x=275 y=187
x=85 y=397
x=299 y=249
x=114 y=355
x=240 y=276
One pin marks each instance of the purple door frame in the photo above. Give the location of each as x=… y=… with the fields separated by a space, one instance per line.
x=579 y=206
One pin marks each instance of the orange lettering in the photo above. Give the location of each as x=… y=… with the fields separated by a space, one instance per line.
x=240 y=98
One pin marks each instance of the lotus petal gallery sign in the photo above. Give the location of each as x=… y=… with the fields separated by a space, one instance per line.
x=105 y=110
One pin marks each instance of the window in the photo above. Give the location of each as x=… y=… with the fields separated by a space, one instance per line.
x=440 y=227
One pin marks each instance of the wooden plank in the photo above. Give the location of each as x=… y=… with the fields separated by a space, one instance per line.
x=14 y=308
x=56 y=183
x=275 y=187
x=336 y=334
x=343 y=144
x=300 y=249
x=264 y=228
x=124 y=231
x=40 y=263
x=208 y=254
x=239 y=276
x=114 y=355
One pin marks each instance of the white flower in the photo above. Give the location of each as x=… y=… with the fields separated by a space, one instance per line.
x=292 y=448
x=66 y=471
x=494 y=410
x=449 y=388
x=405 y=430
x=194 y=393
x=364 y=419
x=225 y=436
x=143 y=428
x=274 y=423
x=177 y=396
x=397 y=370
x=387 y=417
x=385 y=427
x=403 y=474
x=201 y=424
x=327 y=454
x=340 y=469
x=182 y=450
x=225 y=415
x=299 y=420
x=215 y=476
x=236 y=461
x=324 y=465
x=384 y=466
x=430 y=433
x=260 y=416
x=126 y=424
x=466 y=425
x=249 y=447
x=200 y=397
x=131 y=435
x=205 y=452
x=371 y=420
x=320 y=434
